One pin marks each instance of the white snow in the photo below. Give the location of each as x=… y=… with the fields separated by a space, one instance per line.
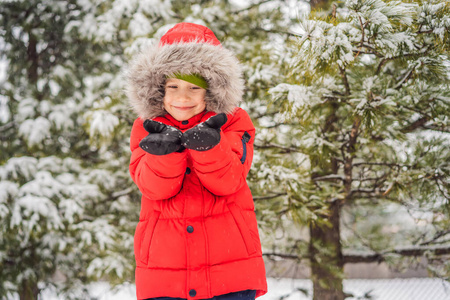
x=60 y=116
x=8 y=190
x=141 y=25
x=295 y=289
x=34 y=208
x=102 y=122
x=35 y=131
x=4 y=64
x=299 y=96
x=27 y=108
x=5 y=114
x=16 y=167
x=104 y=25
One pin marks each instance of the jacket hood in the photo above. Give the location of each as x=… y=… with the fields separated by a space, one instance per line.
x=186 y=48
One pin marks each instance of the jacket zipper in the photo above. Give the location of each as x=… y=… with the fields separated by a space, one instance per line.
x=245 y=139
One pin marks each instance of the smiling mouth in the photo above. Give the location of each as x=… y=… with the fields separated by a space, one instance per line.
x=184 y=107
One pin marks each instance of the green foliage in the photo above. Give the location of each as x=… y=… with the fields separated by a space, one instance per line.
x=66 y=123
x=65 y=203
x=379 y=69
x=365 y=105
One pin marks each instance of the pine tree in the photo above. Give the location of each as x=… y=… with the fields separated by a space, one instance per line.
x=361 y=140
x=68 y=208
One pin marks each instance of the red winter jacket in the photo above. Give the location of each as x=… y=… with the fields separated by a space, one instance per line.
x=197 y=235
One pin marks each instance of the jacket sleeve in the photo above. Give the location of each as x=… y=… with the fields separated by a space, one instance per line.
x=224 y=168
x=158 y=177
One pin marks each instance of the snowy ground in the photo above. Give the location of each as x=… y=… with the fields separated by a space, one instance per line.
x=291 y=289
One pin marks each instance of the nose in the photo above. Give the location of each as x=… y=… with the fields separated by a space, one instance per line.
x=182 y=96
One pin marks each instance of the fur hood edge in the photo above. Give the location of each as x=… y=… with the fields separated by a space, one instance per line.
x=147 y=74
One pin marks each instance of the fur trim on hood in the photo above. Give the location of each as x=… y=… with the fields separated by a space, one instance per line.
x=148 y=72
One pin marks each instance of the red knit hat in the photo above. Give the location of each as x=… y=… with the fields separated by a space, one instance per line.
x=189 y=32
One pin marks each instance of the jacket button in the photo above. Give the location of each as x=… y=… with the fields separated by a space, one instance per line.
x=188 y=170
x=190 y=229
x=192 y=293
x=185 y=122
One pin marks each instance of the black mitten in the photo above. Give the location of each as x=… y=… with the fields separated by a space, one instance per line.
x=205 y=135
x=162 y=140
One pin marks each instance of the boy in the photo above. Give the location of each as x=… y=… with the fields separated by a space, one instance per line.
x=192 y=147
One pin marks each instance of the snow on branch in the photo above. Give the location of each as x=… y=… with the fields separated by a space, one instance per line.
x=283 y=255
x=251 y=6
x=382 y=164
x=329 y=177
x=255 y=198
x=369 y=256
x=122 y=193
x=8 y=126
x=276 y=146
x=413 y=251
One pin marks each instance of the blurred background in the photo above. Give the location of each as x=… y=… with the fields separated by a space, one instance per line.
x=351 y=170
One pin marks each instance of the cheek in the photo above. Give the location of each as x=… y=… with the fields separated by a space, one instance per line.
x=166 y=101
x=202 y=104
x=201 y=101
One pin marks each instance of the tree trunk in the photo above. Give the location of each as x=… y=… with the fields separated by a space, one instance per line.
x=327 y=263
x=33 y=58
x=29 y=290
x=326 y=257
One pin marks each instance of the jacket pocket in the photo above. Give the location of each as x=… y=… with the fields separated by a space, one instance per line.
x=143 y=238
x=245 y=139
x=243 y=228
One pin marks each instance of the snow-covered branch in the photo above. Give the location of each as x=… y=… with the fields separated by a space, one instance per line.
x=271 y=196
x=345 y=81
x=415 y=125
x=413 y=251
x=283 y=255
x=331 y=177
x=437 y=236
x=251 y=6
x=404 y=79
x=277 y=32
x=276 y=146
x=421 y=51
x=437 y=128
x=7 y=126
x=122 y=193
x=381 y=164
x=369 y=257
x=368 y=193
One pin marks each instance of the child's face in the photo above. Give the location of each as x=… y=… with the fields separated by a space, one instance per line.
x=183 y=100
